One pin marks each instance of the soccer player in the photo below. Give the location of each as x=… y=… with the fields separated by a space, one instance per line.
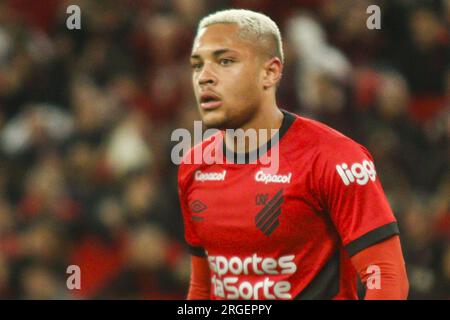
x=304 y=231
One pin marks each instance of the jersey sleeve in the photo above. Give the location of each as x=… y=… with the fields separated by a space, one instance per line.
x=192 y=240
x=354 y=198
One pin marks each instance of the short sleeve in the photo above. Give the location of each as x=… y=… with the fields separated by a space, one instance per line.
x=354 y=198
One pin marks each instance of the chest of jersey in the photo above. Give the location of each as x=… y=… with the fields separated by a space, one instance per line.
x=244 y=209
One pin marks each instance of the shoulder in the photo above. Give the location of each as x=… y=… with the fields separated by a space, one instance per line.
x=193 y=159
x=322 y=150
x=323 y=140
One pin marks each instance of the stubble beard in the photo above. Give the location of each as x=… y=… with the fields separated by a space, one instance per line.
x=224 y=120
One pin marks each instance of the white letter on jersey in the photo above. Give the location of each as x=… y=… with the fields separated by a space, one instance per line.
x=361 y=173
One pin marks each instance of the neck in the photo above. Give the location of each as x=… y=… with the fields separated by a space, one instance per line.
x=263 y=127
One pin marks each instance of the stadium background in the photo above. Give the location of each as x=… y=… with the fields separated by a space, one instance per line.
x=86 y=116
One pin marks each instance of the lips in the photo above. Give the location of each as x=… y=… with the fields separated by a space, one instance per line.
x=209 y=101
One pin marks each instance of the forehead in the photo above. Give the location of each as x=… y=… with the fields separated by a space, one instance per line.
x=218 y=36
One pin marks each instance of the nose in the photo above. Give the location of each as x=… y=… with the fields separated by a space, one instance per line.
x=206 y=76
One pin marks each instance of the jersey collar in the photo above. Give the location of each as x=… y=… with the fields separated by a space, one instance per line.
x=249 y=157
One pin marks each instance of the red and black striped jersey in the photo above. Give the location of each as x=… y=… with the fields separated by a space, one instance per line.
x=286 y=232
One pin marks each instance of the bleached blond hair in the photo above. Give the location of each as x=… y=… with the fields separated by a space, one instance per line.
x=252 y=26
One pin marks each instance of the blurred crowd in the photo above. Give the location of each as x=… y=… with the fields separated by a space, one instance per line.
x=86 y=115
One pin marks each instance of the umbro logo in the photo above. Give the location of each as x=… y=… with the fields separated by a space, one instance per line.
x=267 y=219
x=197 y=206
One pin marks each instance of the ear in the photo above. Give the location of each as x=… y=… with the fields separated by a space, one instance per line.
x=273 y=69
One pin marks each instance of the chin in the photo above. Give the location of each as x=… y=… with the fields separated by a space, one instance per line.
x=214 y=119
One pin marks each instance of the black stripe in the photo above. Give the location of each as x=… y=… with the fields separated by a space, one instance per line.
x=270 y=220
x=197 y=251
x=269 y=211
x=288 y=120
x=269 y=205
x=372 y=237
x=272 y=228
x=325 y=284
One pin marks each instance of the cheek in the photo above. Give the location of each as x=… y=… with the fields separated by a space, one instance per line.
x=194 y=79
x=244 y=85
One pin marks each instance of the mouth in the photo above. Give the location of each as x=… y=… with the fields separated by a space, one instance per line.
x=209 y=101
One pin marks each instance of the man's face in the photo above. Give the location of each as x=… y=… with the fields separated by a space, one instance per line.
x=226 y=75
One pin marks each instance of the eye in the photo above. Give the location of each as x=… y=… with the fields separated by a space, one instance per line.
x=225 y=62
x=196 y=66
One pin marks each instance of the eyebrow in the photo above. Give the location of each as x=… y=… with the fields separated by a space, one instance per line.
x=215 y=53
